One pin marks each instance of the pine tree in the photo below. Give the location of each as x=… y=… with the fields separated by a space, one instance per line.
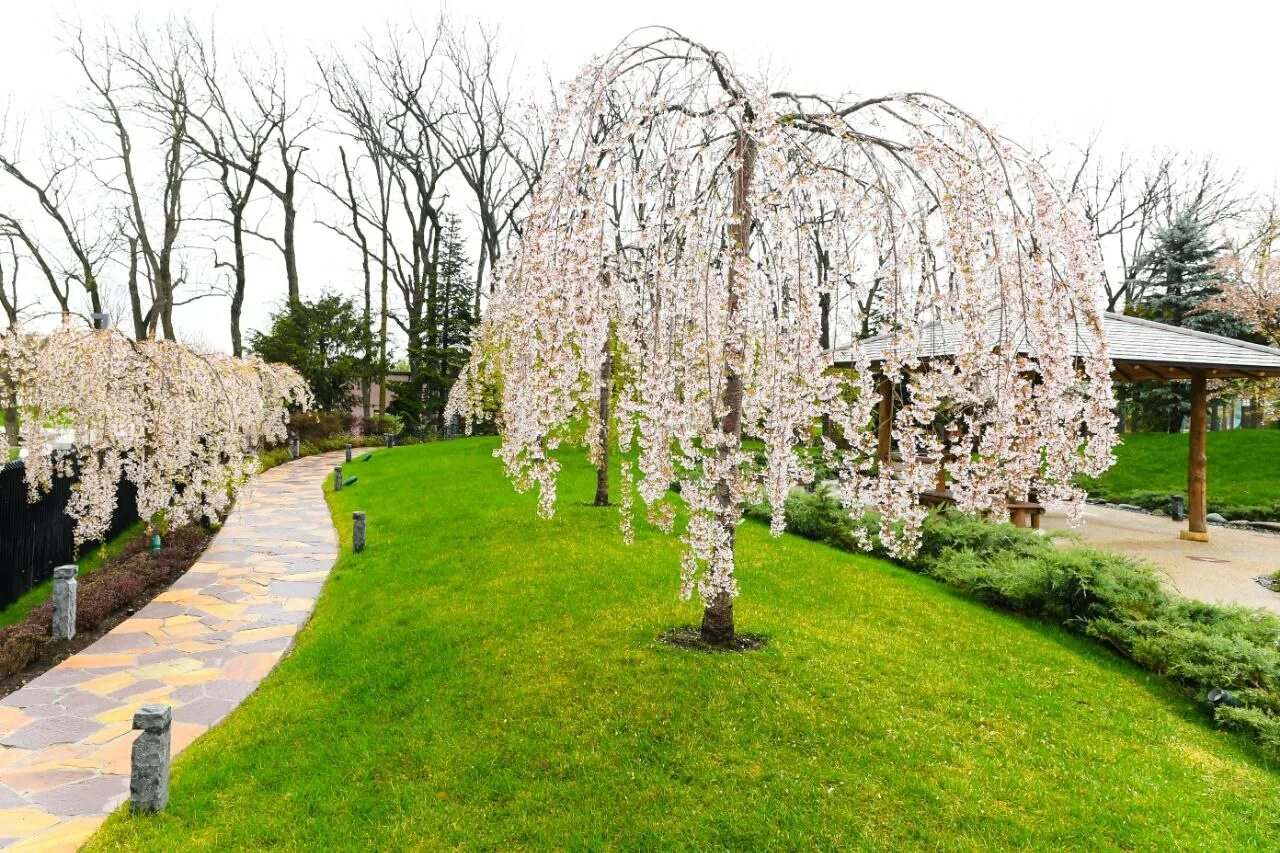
x=447 y=346
x=1177 y=277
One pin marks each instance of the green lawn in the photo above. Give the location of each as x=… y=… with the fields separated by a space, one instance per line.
x=481 y=678
x=1244 y=468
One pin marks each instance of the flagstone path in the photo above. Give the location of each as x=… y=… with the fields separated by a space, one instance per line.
x=202 y=646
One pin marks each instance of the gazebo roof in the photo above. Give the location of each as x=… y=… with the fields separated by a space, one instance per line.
x=1139 y=349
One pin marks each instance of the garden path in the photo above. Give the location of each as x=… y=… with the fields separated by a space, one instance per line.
x=202 y=647
x=1220 y=570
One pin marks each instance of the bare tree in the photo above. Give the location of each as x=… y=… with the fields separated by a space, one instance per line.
x=234 y=142
x=290 y=122
x=391 y=104
x=499 y=144
x=1128 y=202
x=138 y=89
x=56 y=187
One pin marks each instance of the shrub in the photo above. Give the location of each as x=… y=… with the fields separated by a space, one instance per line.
x=118 y=584
x=1111 y=598
x=379 y=425
x=312 y=426
x=268 y=459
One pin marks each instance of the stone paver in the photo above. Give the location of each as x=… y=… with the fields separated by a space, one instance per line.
x=1220 y=570
x=202 y=646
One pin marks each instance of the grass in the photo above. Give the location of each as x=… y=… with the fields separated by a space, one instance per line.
x=93 y=559
x=1244 y=467
x=482 y=678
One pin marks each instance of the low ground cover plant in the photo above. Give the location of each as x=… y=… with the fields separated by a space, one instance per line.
x=124 y=582
x=1116 y=600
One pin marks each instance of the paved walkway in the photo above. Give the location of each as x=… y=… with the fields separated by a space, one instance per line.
x=1220 y=570
x=202 y=647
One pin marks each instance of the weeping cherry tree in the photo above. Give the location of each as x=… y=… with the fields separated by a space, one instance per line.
x=182 y=426
x=676 y=218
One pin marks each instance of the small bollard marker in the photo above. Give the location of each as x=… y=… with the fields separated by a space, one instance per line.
x=357 y=532
x=337 y=478
x=64 y=602
x=348 y=449
x=149 y=774
x=1177 y=509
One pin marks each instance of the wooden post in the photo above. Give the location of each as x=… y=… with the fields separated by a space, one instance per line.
x=885 y=435
x=1197 y=462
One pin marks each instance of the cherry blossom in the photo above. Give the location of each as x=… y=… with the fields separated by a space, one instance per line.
x=677 y=216
x=182 y=426
x=1251 y=289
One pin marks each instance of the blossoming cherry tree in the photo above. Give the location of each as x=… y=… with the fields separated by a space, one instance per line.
x=678 y=213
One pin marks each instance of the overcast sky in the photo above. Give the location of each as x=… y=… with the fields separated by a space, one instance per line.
x=1193 y=77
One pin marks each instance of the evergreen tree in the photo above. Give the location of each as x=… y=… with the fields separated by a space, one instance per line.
x=446 y=343
x=1176 y=278
x=323 y=339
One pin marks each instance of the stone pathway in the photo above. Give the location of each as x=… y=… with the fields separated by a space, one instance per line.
x=202 y=646
x=1220 y=570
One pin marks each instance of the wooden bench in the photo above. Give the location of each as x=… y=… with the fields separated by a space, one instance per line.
x=1021 y=513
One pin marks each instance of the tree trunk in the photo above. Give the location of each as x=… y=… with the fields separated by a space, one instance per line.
x=290 y=250
x=717 y=621
x=10 y=417
x=606 y=390
x=237 y=295
x=10 y=429
x=135 y=294
x=717 y=617
x=382 y=335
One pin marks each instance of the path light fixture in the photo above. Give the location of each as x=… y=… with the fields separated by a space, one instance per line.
x=1217 y=696
x=156 y=542
x=357 y=531
x=64 y=602
x=337 y=478
x=1177 y=509
x=149 y=769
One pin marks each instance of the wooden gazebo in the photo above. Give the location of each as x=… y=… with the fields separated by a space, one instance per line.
x=1140 y=350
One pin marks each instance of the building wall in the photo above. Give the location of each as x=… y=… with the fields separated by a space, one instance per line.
x=358 y=408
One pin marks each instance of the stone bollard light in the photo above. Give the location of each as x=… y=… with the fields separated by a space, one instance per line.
x=64 y=602
x=149 y=776
x=357 y=532
x=389 y=438
x=348 y=449
x=1177 y=510
x=337 y=478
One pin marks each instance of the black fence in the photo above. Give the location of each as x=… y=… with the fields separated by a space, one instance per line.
x=36 y=537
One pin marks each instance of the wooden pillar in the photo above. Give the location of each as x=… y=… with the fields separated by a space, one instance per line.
x=885 y=435
x=1197 y=462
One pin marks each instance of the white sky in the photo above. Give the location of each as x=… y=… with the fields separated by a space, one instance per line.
x=1192 y=77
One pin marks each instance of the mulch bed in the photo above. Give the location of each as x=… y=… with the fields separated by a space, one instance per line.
x=122 y=586
x=689 y=637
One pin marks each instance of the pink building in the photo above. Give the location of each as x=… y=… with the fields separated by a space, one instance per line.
x=392 y=376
